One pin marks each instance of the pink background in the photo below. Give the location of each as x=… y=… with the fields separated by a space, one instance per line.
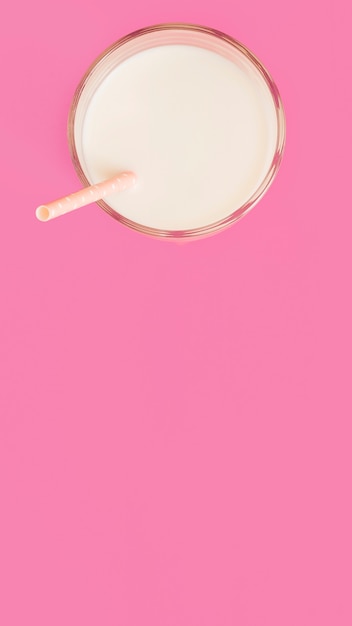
x=175 y=431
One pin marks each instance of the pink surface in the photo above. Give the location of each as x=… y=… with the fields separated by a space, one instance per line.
x=175 y=444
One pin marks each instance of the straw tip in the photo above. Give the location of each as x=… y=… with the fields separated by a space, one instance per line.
x=42 y=213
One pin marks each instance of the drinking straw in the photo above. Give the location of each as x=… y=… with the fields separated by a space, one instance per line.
x=117 y=183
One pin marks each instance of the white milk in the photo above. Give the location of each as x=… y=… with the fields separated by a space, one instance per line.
x=199 y=132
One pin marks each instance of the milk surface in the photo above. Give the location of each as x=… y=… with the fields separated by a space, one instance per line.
x=198 y=130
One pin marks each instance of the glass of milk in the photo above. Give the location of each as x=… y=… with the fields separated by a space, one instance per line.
x=194 y=114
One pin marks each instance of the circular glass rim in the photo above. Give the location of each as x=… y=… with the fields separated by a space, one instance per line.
x=255 y=197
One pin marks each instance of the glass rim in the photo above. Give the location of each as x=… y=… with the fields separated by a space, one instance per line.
x=267 y=180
